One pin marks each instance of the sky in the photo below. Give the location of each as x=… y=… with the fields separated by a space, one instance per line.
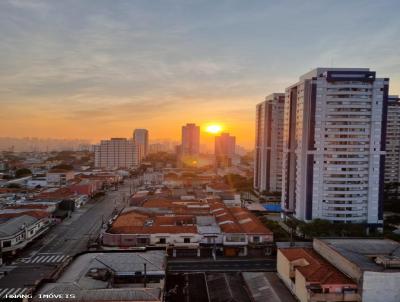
x=95 y=69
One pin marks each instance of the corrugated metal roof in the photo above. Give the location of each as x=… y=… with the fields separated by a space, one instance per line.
x=13 y=225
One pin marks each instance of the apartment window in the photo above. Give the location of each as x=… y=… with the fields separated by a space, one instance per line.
x=162 y=241
x=186 y=240
x=256 y=239
x=7 y=243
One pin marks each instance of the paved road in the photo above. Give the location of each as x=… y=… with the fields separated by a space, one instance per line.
x=222 y=265
x=41 y=259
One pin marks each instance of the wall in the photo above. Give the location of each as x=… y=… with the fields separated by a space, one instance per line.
x=283 y=268
x=174 y=239
x=300 y=287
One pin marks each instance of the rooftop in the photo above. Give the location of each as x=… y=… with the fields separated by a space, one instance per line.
x=314 y=268
x=363 y=252
x=176 y=216
x=81 y=277
x=14 y=225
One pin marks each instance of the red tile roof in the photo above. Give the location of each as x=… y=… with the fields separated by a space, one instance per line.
x=60 y=193
x=230 y=220
x=318 y=269
x=220 y=186
x=28 y=206
x=37 y=214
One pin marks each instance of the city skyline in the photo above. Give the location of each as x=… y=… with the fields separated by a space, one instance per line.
x=95 y=70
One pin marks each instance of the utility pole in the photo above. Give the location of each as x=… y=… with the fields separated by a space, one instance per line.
x=145 y=275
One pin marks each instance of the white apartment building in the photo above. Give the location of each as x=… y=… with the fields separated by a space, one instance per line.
x=268 y=147
x=116 y=153
x=392 y=161
x=334 y=146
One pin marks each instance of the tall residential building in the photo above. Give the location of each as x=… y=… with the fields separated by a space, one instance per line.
x=268 y=148
x=116 y=153
x=334 y=146
x=141 y=139
x=190 y=140
x=225 y=149
x=225 y=145
x=392 y=162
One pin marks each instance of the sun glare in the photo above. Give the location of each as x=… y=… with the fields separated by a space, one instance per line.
x=214 y=129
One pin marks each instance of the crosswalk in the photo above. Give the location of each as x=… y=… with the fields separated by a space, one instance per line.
x=13 y=291
x=45 y=258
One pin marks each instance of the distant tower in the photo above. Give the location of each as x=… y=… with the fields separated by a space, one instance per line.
x=141 y=139
x=225 y=146
x=190 y=140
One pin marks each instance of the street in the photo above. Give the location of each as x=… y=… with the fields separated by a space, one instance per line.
x=221 y=265
x=48 y=254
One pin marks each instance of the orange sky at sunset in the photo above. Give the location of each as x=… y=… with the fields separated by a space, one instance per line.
x=55 y=121
x=99 y=69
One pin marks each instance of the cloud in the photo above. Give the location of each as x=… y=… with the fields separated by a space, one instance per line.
x=145 y=61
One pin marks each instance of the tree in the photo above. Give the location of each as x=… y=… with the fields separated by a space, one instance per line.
x=64 y=167
x=22 y=172
x=13 y=186
x=161 y=157
x=239 y=182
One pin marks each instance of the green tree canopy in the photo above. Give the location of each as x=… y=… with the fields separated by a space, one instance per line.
x=22 y=172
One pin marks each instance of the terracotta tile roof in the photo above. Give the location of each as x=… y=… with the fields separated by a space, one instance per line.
x=318 y=269
x=28 y=206
x=230 y=220
x=134 y=223
x=220 y=186
x=9 y=190
x=173 y=220
x=249 y=222
x=37 y=214
x=155 y=230
x=60 y=193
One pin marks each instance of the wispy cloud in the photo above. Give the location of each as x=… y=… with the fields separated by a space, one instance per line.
x=134 y=62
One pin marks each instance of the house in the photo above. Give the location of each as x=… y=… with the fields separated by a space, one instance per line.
x=37 y=182
x=85 y=187
x=59 y=177
x=216 y=188
x=311 y=278
x=373 y=264
x=16 y=232
x=189 y=228
x=110 y=277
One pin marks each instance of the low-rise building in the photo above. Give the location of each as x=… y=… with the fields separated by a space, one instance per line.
x=110 y=277
x=311 y=278
x=59 y=177
x=153 y=178
x=36 y=182
x=373 y=264
x=18 y=229
x=192 y=227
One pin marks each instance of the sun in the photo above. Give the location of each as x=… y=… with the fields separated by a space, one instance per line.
x=214 y=129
